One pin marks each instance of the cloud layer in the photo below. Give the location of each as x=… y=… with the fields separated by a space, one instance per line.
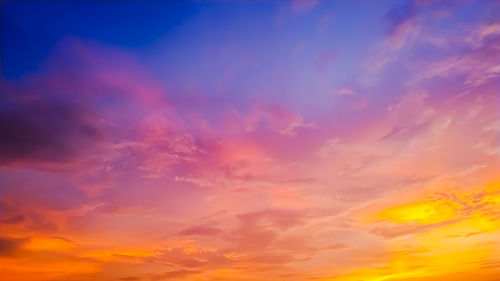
x=254 y=141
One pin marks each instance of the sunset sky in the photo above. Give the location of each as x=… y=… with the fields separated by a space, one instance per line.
x=250 y=140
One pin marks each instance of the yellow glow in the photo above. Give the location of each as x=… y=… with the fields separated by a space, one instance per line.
x=16 y=268
x=191 y=250
x=492 y=199
x=226 y=273
x=49 y=244
x=495 y=187
x=443 y=250
x=421 y=212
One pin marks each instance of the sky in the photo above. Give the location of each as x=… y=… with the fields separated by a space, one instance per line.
x=250 y=140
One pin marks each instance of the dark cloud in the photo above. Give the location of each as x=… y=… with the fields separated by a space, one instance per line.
x=43 y=130
x=10 y=246
x=130 y=278
x=13 y=220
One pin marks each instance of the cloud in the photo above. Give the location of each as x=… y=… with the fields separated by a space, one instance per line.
x=10 y=246
x=403 y=30
x=474 y=66
x=175 y=274
x=165 y=163
x=259 y=230
x=470 y=213
x=13 y=220
x=193 y=258
x=403 y=24
x=204 y=230
x=476 y=62
x=400 y=14
x=279 y=218
x=55 y=244
x=482 y=34
x=346 y=92
x=394 y=231
x=158 y=145
x=44 y=131
x=130 y=278
x=270 y=258
x=37 y=246
x=276 y=118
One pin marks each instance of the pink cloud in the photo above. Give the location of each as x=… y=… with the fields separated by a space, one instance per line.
x=277 y=118
x=205 y=230
x=346 y=92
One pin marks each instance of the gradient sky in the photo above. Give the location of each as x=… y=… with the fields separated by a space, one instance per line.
x=250 y=140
